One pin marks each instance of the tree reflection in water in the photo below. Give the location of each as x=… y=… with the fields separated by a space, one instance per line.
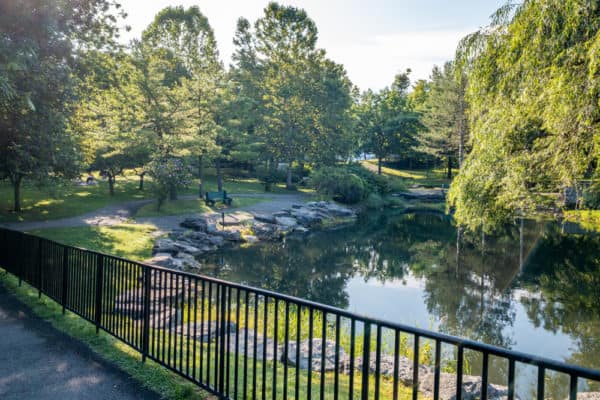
x=471 y=283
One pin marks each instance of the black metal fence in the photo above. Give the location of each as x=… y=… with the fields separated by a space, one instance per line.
x=240 y=342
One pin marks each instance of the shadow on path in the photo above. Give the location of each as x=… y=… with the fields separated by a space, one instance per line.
x=39 y=362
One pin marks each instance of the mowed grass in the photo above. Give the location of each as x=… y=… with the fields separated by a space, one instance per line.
x=194 y=206
x=68 y=199
x=132 y=241
x=588 y=219
x=149 y=374
x=426 y=177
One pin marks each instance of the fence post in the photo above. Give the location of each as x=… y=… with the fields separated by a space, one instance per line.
x=39 y=266
x=65 y=278
x=223 y=338
x=99 y=276
x=365 y=361
x=146 y=330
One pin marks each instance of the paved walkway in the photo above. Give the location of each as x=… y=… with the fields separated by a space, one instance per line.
x=39 y=362
x=115 y=214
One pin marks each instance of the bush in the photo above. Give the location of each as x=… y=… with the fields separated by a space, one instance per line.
x=343 y=185
x=591 y=198
x=374 y=202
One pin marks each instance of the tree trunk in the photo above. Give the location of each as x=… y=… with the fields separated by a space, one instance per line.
x=449 y=173
x=17 y=193
x=173 y=192
x=201 y=175
x=219 y=174
x=111 y=184
x=379 y=161
x=288 y=182
x=141 y=187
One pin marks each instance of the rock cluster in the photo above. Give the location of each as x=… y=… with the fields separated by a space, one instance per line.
x=207 y=233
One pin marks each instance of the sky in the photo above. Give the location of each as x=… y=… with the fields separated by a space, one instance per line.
x=373 y=39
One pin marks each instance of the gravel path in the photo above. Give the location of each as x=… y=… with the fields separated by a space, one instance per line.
x=39 y=362
x=118 y=213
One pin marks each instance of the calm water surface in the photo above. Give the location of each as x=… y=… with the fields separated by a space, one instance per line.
x=533 y=288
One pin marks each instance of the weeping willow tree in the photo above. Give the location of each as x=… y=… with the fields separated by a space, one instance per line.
x=533 y=94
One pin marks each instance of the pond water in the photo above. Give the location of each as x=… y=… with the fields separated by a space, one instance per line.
x=533 y=288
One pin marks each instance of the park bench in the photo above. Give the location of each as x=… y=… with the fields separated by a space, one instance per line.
x=212 y=197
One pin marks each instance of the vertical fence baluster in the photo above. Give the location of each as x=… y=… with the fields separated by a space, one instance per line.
x=298 y=329
x=484 y=376
x=99 y=278
x=459 y=372
x=336 y=379
x=511 y=380
x=396 y=366
x=323 y=351
x=310 y=348
x=352 y=351
x=264 y=367
x=377 y=361
x=416 y=368
x=365 y=361
x=275 y=322
x=222 y=338
x=146 y=298
x=286 y=349
x=65 y=278
x=573 y=387
x=540 y=383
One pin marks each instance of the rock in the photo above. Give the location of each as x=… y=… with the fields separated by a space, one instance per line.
x=386 y=367
x=265 y=231
x=206 y=331
x=164 y=260
x=297 y=206
x=306 y=217
x=588 y=396
x=188 y=261
x=195 y=223
x=251 y=239
x=185 y=248
x=269 y=219
x=262 y=346
x=165 y=245
x=301 y=230
x=317 y=349
x=286 y=222
x=423 y=194
x=130 y=304
x=281 y=213
x=471 y=387
x=231 y=236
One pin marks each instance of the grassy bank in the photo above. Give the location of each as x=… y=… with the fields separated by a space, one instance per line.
x=588 y=219
x=132 y=241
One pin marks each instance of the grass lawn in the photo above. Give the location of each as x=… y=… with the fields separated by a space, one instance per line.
x=588 y=219
x=191 y=206
x=69 y=199
x=65 y=200
x=133 y=241
x=426 y=177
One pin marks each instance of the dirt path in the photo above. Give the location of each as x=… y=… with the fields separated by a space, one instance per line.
x=118 y=213
x=39 y=362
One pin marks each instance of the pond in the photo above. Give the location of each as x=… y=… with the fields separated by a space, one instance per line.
x=535 y=287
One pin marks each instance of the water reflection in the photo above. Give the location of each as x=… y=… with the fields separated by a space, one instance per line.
x=532 y=287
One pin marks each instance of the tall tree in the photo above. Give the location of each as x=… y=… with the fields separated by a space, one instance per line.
x=387 y=121
x=40 y=47
x=444 y=115
x=533 y=95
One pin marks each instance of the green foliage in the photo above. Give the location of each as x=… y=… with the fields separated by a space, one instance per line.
x=533 y=98
x=386 y=121
x=343 y=185
x=591 y=197
x=168 y=175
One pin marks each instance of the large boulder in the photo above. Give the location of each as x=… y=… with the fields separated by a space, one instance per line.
x=195 y=223
x=265 y=349
x=165 y=245
x=206 y=331
x=386 y=367
x=317 y=351
x=286 y=222
x=471 y=387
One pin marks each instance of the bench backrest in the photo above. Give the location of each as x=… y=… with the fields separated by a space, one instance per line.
x=216 y=195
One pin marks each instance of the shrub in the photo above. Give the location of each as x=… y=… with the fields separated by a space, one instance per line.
x=343 y=185
x=591 y=198
x=374 y=202
x=168 y=175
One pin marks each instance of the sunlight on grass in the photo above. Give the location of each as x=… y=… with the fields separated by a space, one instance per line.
x=195 y=206
x=132 y=241
x=588 y=219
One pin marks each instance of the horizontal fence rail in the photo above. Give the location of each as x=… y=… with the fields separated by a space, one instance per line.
x=240 y=342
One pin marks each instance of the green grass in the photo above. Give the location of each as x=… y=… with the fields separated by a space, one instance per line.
x=133 y=241
x=588 y=219
x=194 y=206
x=426 y=177
x=150 y=374
x=67 y=199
